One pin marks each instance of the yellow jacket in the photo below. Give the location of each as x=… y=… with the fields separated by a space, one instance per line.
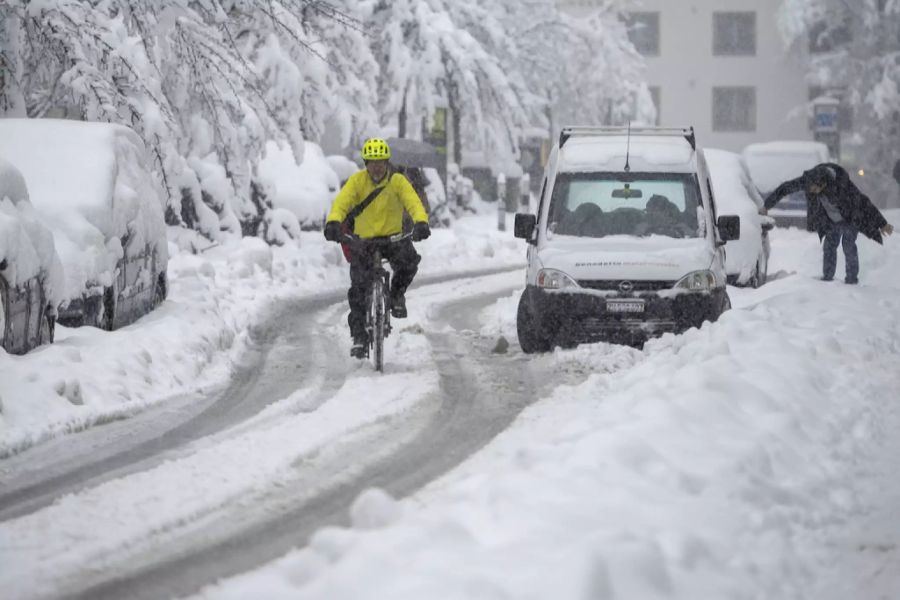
x=384 y=216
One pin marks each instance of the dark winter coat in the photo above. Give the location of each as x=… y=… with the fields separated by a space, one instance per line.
x=854 y=206
x=897 y=171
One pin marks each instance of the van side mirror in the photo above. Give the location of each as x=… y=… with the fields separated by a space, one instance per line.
x=729 y=227
x=524 y=226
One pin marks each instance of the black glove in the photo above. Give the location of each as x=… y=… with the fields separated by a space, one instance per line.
x=420 y=231
x=333 y=231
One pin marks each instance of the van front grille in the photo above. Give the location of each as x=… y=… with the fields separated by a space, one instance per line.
x=616 y=285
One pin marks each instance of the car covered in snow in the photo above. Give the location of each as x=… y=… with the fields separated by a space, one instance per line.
x=772 y=163
x=30 y=271
x=746 y=258
x=92 y=187
x=626 y=243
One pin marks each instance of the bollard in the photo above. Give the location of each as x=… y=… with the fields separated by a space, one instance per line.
x=501 y=202
x=525 y=193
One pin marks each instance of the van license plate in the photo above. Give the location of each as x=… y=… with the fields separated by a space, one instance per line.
x=625 y=306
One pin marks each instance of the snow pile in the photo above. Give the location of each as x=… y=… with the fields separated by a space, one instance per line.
x=25 y=244
x=724 y=463
x=89 y=183
x=197 y=336
x=306 y=189
x=736 y=195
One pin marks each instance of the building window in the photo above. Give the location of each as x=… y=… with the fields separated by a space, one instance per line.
x=734 y=109
x=734 y=33
x=643 y=31
x=656 y=95
x=845 y=111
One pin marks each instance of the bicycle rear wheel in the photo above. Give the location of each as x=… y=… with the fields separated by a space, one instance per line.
x=378 y=312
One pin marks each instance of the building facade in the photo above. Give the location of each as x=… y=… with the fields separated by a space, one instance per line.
x=721 y=67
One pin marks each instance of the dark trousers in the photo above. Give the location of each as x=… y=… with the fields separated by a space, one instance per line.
x=842 y=233
x=404 y=261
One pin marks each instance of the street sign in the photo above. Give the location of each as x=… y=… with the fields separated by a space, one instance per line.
x=825 y=115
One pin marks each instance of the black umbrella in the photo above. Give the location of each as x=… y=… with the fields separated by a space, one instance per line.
x=413 y=153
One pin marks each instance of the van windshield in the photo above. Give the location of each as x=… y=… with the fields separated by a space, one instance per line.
x=639 y=204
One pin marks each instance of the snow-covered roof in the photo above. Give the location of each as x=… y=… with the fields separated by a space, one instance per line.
x=771 y=163
x=25 y=244
x=645 y=153
x=91 y=185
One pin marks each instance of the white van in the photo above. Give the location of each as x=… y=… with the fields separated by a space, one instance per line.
x=626 y=243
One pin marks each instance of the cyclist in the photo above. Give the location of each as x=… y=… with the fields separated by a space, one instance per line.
x=383 y=216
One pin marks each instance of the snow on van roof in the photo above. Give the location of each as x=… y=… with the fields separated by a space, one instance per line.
x=644 y=153
x=25 y=244
x=90 y=184
x=771 y=163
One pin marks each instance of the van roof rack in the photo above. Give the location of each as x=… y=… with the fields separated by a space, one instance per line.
x=685 y=132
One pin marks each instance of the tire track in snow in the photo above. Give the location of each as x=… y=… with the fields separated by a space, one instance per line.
x=480 y=394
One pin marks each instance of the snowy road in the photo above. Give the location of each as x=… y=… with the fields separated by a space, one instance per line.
x=475 y=395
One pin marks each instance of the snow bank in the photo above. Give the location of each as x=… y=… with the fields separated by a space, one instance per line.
x=25 y=243
x=306 y=189
x=89 y=183
x=722 y=463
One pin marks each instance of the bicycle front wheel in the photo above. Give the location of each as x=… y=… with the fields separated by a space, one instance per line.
x=378 y=314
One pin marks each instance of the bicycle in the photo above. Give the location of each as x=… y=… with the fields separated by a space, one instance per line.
x=378 y=300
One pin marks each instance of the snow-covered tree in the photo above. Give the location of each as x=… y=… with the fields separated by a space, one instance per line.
x=205 y=83
x=430 y=56
x=857 y=48
x=504 y=67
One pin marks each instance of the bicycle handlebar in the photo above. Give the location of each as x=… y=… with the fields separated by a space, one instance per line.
x=352 y=238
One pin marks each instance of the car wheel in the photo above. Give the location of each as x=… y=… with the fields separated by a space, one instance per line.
x=531 y=336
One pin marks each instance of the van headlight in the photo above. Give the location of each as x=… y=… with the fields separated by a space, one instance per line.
x=697 y=281
x=551 y=279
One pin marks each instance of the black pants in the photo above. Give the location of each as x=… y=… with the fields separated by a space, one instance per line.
x=404 y=261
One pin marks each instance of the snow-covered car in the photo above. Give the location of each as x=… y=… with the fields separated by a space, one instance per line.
x=30 y=271
x=746 y=258
x=626 y=243
x=771 y=163
x=307 y=189
x=92 y=187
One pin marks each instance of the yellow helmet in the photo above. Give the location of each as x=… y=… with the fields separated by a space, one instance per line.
x=376 y=149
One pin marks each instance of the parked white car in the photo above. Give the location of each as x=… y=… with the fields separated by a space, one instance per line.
x=91 y=185
x=772 y=163
x=626 y=243
x=31 y=277
x=746 y=258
